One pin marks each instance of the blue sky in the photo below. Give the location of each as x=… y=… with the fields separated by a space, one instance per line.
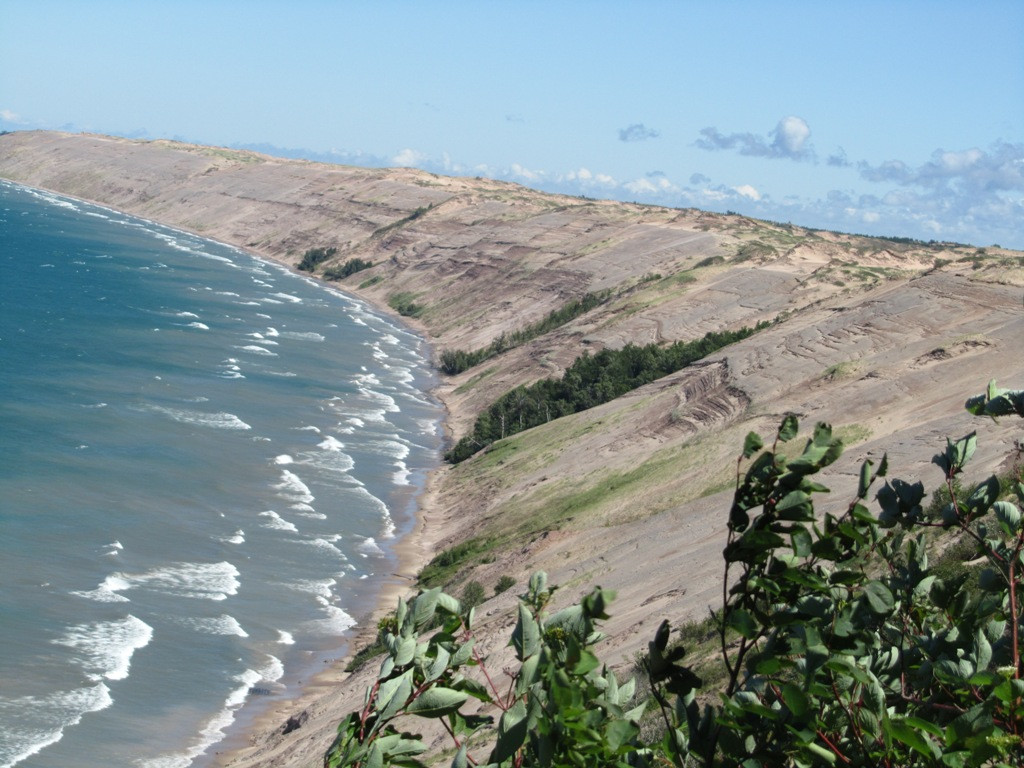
x=893 y=118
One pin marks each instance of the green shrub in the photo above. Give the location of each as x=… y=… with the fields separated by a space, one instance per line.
x=350 y=267
x=505 y=583
x=840 y=644
x=473 y=594
x=403 y=304
x=314 y=257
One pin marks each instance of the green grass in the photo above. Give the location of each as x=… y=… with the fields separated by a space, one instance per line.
x=476 y=379
x=371 y=281
x=404 y=304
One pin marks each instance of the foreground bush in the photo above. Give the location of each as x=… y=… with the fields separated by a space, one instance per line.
x=840 y=644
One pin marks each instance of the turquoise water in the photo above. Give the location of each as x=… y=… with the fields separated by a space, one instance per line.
x=204 y=460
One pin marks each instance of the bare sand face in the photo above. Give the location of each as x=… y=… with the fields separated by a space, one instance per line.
x=883 y=340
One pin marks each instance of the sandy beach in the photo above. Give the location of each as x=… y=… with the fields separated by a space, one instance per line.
x=883 y=340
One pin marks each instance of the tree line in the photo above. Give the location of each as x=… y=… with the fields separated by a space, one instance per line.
x=591 y=380
x=454 y=361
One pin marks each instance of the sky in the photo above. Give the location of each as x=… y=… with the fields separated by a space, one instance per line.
x=889 y=118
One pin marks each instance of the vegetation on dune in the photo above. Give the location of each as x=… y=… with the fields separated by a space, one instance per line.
x=404 y=304
x=455 y=361
x=350 y=267
x=314 y=257
x=591 y=380
x=841 y=642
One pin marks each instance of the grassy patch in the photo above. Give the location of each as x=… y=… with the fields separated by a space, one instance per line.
x=851 y=434
x=404 y=304
x=448 y=562
x=841 y=370
x=371 y=281
x=476 y=379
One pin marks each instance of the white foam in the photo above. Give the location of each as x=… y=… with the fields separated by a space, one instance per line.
x=200 y=326
x=285 y=638
x=219 y=625
x=115 y=548
x=288 y=297
x=214 y=728
x=257 y=350
x=401 y=474
x=188 y=314
x=278 y=523
x=331 y=444
x=321 y=588
x=106 y=647
x=271 y=332
x=304 y=510
x=284 y=458
x=336 y=623
x=200 y=418
x=238 y=537
x=259 y=337
x=53 y=713
x=324 y=544
x=107 y=591
x=293 y=489
x=304 y=336
x=206 y=581
x=370 y=547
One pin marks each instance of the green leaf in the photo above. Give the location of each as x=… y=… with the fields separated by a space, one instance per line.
x=865 y=479
x=802 y=542
x=463 y=653
x=439 y=665
x=423 y=607
x=393 y=694
x=879 y=598
x=901 y=731
x=741 y=621
x=1008 y=516
x=437 y=702
x=405 y=650
x=795 y=698
x=375 y=757
x=752 y=445
x=788 y=428
x=511 y=733
x=460 y=760
x=526 y=636
x=619 y=732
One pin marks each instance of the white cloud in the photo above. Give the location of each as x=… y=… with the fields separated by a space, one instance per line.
x=521 y=172
x=747 y=191
x=409 y=158
x=791 y=135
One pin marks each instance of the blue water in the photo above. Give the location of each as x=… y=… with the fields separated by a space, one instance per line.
x=204 y=459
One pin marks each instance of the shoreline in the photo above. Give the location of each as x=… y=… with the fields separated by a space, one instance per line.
x=410 y=550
